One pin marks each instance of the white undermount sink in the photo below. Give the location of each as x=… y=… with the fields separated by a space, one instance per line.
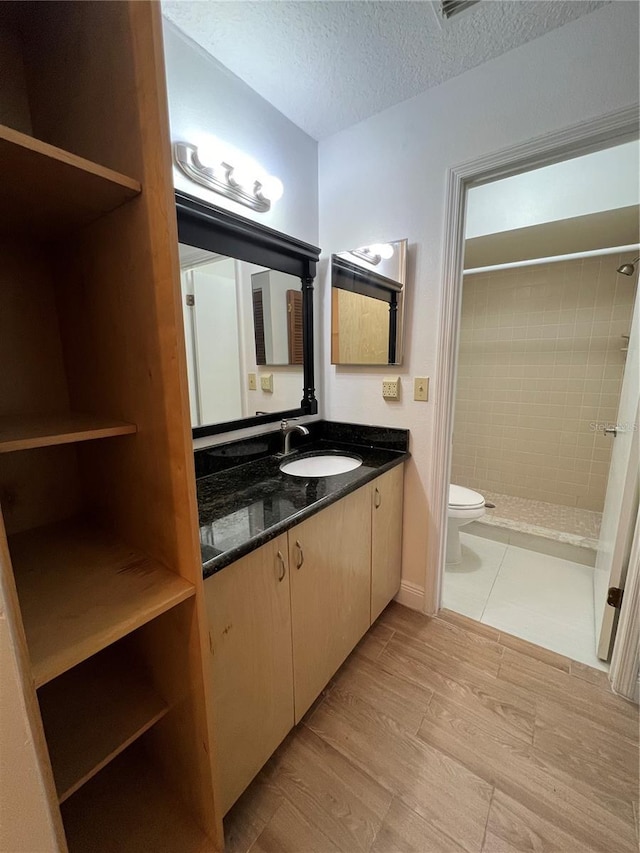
x=321 y=465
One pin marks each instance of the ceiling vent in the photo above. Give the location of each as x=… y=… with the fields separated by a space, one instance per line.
x=449 y=8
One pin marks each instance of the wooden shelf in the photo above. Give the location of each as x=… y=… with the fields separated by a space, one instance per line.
x=127 y=808
x=80 y=590
x=92 y=713
x=47 y=191
x=25 y=433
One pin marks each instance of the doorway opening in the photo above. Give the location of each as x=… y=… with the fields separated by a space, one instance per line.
x=546 y=395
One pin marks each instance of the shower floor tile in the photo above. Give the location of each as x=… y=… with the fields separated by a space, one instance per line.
x=540 y=598
x=563 y=523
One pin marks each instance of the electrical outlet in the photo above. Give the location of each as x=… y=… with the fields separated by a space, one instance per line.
x=253 y=382
x=266 y=382
x=391 y=388
x=421 y=388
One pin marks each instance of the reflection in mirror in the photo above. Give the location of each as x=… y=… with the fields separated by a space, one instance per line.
x=239 y=317
x=367 y=304
x=277 y=317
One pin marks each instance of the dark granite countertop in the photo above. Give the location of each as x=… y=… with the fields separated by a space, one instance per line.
x=245 y=506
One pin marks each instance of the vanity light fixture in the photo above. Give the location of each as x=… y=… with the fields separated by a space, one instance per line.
x=234 y=182
x=375 y=253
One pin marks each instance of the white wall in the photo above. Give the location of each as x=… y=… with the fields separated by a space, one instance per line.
x=603 y=180
x=207 y=101
x=385 y=178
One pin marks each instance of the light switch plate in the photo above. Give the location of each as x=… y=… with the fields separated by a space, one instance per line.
x=252 y=382
x=266 y=382
x=421 y=388
x=391 y=388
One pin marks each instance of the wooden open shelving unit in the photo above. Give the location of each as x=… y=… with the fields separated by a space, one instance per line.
x=103 y=641
x=29 y=432
x=80 y=589
x=99 y=818
x=71 y=191
x=92 y=714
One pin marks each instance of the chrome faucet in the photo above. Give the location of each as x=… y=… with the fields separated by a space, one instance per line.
x=286 y=429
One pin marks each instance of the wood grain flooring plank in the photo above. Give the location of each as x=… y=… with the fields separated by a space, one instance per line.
x=588 y=751
x=499 y=703
x=396 y=697
x=513 y=828
x=537 y=652
x=448 y=639
x=245 y=820
x=571 y=693
x=405 y=831
x=519 y=763
x=594 y=676
x=338 y=798
x=469 y=624
x=541 y=757
x=289 y=831
x=517 y=770
x=427 y=780
x=374 y=641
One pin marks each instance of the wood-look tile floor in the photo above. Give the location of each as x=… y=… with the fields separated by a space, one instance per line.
x=442 y=735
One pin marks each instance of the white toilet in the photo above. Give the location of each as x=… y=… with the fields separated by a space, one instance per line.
x=465 y=505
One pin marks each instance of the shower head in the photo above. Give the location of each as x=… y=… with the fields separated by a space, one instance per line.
x=628 y=269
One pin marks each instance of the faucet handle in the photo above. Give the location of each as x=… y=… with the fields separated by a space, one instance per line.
x=284 y=423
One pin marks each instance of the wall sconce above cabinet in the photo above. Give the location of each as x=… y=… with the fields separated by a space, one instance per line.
x=258 y=192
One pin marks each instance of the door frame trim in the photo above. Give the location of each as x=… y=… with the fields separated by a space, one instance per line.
x=584 y=138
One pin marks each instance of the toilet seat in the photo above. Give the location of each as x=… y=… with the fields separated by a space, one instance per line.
x=463 y=498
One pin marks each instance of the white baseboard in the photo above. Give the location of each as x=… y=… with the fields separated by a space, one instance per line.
x=411 y=595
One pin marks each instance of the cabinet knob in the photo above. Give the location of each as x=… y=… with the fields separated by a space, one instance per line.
x=377 y=500
x=300 y=559
x=282 y=569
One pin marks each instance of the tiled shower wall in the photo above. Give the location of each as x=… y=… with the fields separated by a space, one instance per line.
x=539 y=373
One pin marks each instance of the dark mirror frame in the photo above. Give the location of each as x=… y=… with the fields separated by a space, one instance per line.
x=348 y=276
x=209 y=227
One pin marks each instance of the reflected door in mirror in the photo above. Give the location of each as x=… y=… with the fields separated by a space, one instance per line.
x=277 y=318
x=239 y=318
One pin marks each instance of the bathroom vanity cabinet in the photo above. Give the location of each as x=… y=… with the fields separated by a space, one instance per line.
x=386 y=541
x=330 y=560
x=249 y=612
x=104 y=734
x=285 y=617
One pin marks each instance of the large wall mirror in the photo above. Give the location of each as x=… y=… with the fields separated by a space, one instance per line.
x=247 y=297
x=367 y=304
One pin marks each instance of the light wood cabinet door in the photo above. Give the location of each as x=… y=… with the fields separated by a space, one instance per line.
x=249 y=614
x=386 y=538
x=330 y=559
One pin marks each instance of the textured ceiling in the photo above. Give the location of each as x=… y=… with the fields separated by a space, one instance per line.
x=329 y=64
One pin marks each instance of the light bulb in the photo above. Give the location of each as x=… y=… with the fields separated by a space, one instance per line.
x=241 y=178
x=209 y=155
x=385 y=250
x=271 y=188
